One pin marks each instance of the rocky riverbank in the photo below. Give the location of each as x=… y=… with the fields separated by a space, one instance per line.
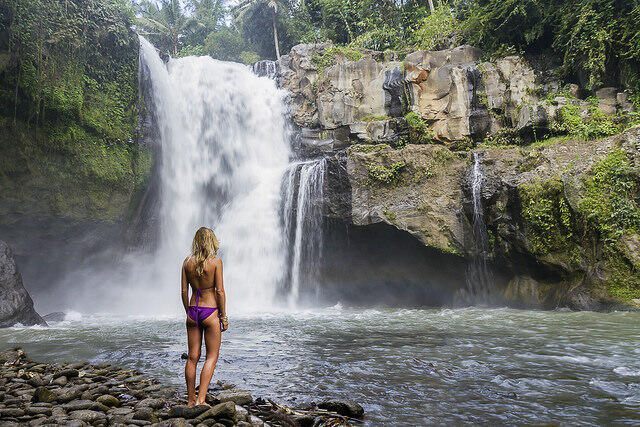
x=80 y=394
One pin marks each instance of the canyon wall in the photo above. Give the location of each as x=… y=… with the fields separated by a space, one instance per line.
x=559 y=198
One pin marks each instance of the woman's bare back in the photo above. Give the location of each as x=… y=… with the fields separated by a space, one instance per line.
x=206 y=282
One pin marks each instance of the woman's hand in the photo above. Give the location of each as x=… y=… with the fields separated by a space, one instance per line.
x=224 y=323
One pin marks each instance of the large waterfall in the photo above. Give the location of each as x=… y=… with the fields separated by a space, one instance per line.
x=224 y=150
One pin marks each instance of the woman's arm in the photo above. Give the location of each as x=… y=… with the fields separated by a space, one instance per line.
x=220 y=296
x=185 y=288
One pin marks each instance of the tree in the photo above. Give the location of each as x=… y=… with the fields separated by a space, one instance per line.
x=165 y=23
x=249 y=6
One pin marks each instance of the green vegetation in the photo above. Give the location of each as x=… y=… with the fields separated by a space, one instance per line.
x=607 y=215
x=332 y=54
x=419 y=132
x=69 y=110
x=547 y=217
x=390 y=175
x=594 y=125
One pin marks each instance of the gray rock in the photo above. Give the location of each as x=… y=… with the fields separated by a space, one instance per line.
x=239 y=397
x=87 y=415
x=57 y=316
x=150 y=403
x=342 y=407
x=187 y=412
x=145 y=414
x=61 y=381
x=241 y=413
x=226 y=410
x=173 y=422
x=16 y=306
x=42 y=394
x=108 y=400
x=255 y=421
x=68 y=373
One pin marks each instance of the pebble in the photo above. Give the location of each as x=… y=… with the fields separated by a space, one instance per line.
x=82 y=394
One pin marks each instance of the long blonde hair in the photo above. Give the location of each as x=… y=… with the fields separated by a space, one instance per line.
x=205 y=243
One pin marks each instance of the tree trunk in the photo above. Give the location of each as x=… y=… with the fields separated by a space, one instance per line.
x=275 y=36
x=431 y=5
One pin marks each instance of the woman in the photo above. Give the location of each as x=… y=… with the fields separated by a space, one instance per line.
x=205 y=311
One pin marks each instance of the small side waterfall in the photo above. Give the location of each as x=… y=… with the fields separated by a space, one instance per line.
x=302 y=187
x=266 y=68
x=479 y=279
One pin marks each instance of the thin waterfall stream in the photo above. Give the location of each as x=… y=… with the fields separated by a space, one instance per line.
x=479 y=278
x=302 y=222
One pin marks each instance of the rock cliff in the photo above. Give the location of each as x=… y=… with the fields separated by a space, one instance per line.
x=561 y=212
x=16 y=305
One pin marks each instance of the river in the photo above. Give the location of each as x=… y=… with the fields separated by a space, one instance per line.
x=406 y=367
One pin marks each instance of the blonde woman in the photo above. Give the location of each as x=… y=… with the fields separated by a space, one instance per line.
x=203 y=271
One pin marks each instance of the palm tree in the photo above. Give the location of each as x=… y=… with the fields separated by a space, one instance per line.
x=166 y=23
x=247 y=6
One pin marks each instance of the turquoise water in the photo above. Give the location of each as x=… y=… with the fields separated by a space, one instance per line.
x=406 y=367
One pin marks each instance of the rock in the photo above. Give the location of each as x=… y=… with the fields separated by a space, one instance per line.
x=241 y=413
x=11 y=356
x=87 y=416
x=16 y=306
x=440 y=83
x=239 y=397
x=61 y=381
x=68 y=373
x=75 y=405
x=37 y=410
x=151 y=403
x=68 y=394
x=305 y=420
x=57 y=316
x=108 y=400
x=42 y=394
x=173 y=422
x=188 y=412
x=243 y=424
x=255 y=421
x=346 y=407
x=145 y=414
x=11 y=412
x=226 y=410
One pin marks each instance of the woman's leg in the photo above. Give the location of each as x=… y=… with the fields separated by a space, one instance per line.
x=212 y=339
x=194 y=343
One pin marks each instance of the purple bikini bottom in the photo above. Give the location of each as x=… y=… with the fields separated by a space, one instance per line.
x=199 y=314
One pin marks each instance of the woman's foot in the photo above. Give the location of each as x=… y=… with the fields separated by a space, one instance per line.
x=191 y=403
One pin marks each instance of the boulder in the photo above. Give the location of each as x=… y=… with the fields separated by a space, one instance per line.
x=342 y=407
x=16 y=306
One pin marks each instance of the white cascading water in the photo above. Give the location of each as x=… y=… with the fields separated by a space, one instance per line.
x=224 y=150
x=302 y=214
x=479 y=278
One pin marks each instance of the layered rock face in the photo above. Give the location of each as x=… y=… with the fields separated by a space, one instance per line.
x=16 y=306
x=561 y=228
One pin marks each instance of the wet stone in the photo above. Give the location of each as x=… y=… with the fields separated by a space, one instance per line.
x=11 y=412
x=42 y=394
x=187 y=412
x=150 y=403
x=174 y=422
x=255 y=421
x=87 y=415
x=37 y=410
x=239 y=397
x=145 y=414
x=109 y=400
x=222 y=410
x=346 y=407
x=69 y=373
x=241 y=413
x=61 y=381
x=75 y=405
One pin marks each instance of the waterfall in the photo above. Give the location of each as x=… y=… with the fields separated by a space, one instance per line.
x=224 y=148
x=266 y=68
x=302 y=221
x=479 y=279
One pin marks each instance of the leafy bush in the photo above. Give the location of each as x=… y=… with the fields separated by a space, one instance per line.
x=437 y=30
